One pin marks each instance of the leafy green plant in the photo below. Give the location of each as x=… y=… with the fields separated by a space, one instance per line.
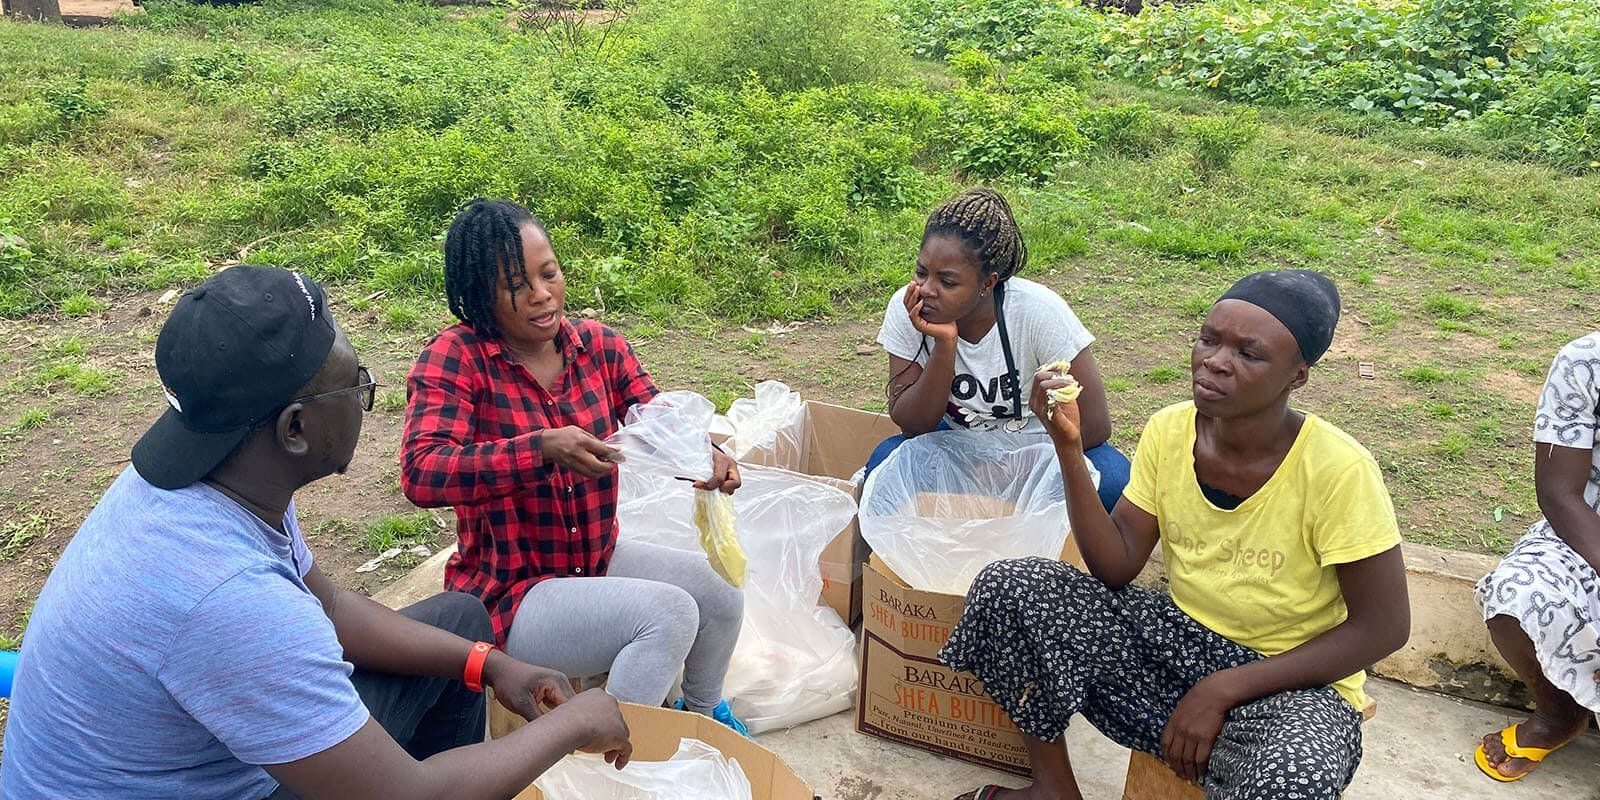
x=1005 y=29
x=1017 y=131
x=787 y=44
x=73 y=105
x=1128 y=130
x=1216 y=140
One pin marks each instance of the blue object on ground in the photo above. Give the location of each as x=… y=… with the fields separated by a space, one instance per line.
x=8 y=668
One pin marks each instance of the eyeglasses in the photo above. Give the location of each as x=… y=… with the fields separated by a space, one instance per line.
x=366 y=385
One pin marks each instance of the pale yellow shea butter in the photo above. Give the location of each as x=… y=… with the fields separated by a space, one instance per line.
x=713 y=517
x=1065 y=394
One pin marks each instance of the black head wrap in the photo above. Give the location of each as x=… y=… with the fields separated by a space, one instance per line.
x=1306 y=302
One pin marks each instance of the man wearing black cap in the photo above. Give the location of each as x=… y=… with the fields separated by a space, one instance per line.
x=1282 y=555
x=186 y=645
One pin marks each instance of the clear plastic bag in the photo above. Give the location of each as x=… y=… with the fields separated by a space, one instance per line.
x=947 y=504
x=795 y=660
x=670 y=433
x=697 y=771
x=773 y=429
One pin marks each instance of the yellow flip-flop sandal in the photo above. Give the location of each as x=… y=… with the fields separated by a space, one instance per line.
x=1508 y=738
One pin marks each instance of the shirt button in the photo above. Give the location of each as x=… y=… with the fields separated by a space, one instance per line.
x=549 y=402
x=577 y=570
x=569 y=488
x=572 y=530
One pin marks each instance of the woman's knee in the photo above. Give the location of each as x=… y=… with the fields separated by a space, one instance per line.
x=1307 y=742
x=672 y=622
x=1023 y=577
x=721 y=604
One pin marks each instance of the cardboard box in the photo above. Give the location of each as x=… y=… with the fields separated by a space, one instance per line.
x=907 y=696
x=841 y=440
x=655 y=733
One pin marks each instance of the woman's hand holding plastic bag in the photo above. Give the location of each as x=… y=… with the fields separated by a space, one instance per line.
x=578 y=450
x=724 y=474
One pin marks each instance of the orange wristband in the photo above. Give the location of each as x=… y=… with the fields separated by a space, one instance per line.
x=473 y=674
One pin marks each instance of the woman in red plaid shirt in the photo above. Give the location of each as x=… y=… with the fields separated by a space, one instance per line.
x=505 y=416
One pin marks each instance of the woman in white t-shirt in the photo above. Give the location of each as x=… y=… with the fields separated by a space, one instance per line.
x=965 y=337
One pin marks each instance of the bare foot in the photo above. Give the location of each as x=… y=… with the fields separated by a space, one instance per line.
x=1538 y=731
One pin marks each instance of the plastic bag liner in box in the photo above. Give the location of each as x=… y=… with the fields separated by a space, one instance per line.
x=669 y=433
x=697 y=771
x=795 y=661
x=949 y=503
x=773 y=429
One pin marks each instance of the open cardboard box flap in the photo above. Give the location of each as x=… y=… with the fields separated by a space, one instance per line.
x=655 y=733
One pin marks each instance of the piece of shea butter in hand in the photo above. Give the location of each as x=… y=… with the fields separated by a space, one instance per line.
x=1065 y=394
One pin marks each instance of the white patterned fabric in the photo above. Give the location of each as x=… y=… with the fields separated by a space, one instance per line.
x=1542 y=582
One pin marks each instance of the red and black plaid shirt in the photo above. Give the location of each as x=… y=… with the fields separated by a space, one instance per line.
x=473 y=421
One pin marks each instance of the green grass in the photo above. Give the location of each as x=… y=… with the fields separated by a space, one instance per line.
x=1425 y=375
x=30 y=419
x=1450 y=307
x=391 y=401
x=17 y=534
x=400 y=530
x=1165 y=374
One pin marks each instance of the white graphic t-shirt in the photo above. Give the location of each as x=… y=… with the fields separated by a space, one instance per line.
x=1042 y=329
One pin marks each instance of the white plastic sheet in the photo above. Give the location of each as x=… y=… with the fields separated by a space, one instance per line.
x=669 y=433
x=772 y=429
x=949 y=503
x=795 y=660
x=697 y=771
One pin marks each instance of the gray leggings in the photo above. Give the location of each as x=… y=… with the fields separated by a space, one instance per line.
x=657 y=610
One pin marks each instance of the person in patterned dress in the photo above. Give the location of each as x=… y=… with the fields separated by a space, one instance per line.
x=1283 y=556
x=1542 y=603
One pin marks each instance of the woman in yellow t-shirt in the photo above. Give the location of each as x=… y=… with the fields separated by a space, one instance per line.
x=1282 y=551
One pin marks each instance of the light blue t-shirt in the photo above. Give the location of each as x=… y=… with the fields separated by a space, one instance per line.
x=174 y=648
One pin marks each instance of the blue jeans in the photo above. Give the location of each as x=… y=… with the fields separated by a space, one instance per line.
x=1114 y=467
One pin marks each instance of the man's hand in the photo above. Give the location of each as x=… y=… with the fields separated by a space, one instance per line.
x=608 y=731
x=944 y=332
x=1194 y=725
x=724 y=473
x=577 y=449
x=524 y=688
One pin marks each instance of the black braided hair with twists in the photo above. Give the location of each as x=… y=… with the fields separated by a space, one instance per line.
x=484 y=245
x=983 y=220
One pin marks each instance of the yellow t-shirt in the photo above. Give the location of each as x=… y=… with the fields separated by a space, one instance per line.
x=1263 y=573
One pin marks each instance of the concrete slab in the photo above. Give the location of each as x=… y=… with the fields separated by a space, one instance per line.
x=1418 y=747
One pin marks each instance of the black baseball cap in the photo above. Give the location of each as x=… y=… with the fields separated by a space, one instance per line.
x=235 y=349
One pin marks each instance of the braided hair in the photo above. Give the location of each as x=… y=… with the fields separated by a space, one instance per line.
x=484 y=244
x=983 y=220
